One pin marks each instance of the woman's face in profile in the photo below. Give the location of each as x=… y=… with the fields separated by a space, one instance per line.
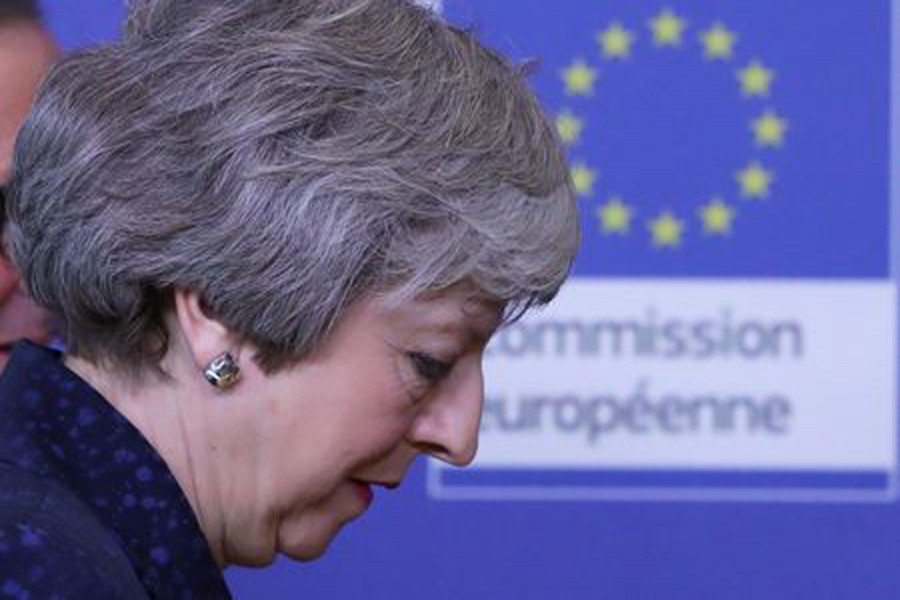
x=388 y=383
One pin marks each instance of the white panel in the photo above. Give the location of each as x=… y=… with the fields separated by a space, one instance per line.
x=762 y=375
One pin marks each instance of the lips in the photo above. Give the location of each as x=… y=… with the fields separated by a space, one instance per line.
x=390 y=485
x=364 y=490
x=364 y=487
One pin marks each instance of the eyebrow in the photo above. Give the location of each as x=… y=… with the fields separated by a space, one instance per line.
x=487 y=319
x=476 y=323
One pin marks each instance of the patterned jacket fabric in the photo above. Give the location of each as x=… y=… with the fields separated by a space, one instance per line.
x=88 y=509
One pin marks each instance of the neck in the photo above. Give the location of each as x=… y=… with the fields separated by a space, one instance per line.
x=179 y=427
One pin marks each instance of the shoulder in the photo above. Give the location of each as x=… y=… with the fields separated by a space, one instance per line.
x=52 y=545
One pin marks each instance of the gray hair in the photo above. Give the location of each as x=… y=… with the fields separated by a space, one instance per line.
x=282 y=159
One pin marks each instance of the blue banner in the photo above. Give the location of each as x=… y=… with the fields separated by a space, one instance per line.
x=715 y=138
x=709 y=139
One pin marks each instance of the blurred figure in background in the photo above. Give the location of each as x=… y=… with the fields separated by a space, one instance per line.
x=26 y=53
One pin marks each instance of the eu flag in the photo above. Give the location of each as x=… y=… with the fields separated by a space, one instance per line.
x=714 y=139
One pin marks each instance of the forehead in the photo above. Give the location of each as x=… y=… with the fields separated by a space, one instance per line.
x=458 y=309
x=455 y=316
x=26 y=50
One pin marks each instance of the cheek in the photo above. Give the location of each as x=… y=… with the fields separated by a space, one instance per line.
x=380 y=439
x=322 y=427
x=376 y=414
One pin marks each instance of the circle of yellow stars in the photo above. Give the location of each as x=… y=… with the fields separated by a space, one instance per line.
x=669 y=30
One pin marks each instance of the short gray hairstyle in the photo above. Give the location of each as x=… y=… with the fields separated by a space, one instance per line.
x=282 y=158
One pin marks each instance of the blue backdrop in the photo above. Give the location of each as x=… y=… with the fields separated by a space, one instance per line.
x=708 y=138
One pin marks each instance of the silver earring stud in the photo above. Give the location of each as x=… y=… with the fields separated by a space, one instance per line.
x=222 y=371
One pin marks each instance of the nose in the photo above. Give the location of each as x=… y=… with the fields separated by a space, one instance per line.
x=447 y=428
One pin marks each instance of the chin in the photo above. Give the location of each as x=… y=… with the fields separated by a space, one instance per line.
x=306 y=544
x=306 y=554
x=306 y=550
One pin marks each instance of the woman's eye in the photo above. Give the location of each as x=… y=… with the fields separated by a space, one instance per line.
x=429 y=367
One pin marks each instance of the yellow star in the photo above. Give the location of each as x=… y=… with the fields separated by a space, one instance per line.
x=579 y=79
x=667 y=28
x=583 y=178
x=754 y=180
x=756 y=79
x=769 y=129
x=718 y=42
x=717 y=217
x=615 y=216
x=615 y=41
x=569 y=127
x=666 y=230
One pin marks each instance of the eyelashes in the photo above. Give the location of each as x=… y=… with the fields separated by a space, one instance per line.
x=429 y=367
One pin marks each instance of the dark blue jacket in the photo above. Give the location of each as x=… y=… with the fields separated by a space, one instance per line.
x=88 y=509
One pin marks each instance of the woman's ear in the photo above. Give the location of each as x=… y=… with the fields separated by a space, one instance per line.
x=204 y=336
